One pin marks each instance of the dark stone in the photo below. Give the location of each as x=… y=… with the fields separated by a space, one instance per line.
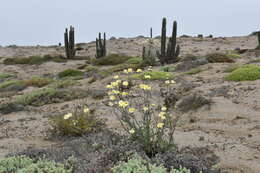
x=189 y=64
x=8 y=108
x=192 y=102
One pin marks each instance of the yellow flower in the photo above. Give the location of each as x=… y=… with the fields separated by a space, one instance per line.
x=124 y=93
x=109 y=93
x=123 y=104
x=167 y=82
x=115 y=91
x=114 y=84
x=163 y=117
x=109 y=86
x=153 y=105
x=130 y=70
x=147 y=76
x=173 y=82
x=132 y=131
x=118 y=81
x=67 y=116
x=164 y=108
x=110 y=104
x=131 y=110
x=139 y=70
x=145 y=87
x=160 y=125
x=161 y=114
x=112 y=97
x=145 y=109
x=116 y=77
x=125 y=71
x=125 y=83
x=86 y=110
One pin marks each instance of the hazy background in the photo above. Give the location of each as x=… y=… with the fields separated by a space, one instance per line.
x=32 y=22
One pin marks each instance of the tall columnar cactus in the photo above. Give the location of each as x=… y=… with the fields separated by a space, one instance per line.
x=151 y=32
x=69 y=41
x=101 y=50
x=258 y=35
x=169 y=55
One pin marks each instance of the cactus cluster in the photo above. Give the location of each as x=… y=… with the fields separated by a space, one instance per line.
x=101 y=50
x=69 y=41
x=170 y=53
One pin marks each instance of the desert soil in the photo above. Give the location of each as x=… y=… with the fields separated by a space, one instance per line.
x=230 y=127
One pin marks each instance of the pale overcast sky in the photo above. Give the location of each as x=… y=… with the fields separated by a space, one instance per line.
x=32 y=22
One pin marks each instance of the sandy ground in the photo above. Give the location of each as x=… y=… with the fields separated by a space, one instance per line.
x=231 y=127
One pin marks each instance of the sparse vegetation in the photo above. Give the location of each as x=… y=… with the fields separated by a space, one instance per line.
x=154 y=75
x=155 y=132
x=34 y=60
x=121 y=67
x=231 y=68
x=37 y=81
x=70 y=73
x=22 y=164
x=49 y=95
x=63 y=83
x=76 y=123
x=138 y=165
x=219 y=58
x=245 y=73
x=134 y=60
x=4 y=75
x=167 y=69
x=235 y=56
x=193 y=71
x=17 y=85
x=91 y=68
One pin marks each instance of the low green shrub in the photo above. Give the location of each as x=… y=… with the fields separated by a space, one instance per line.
x=235 y=56
x=154 y=75
x=22 y=164
x=219 y=58
x=37 y=81
x=63 y=83
x=139 y=165
x=245 y=73
x=231 y=68
x=91 y=68
x=34 y=60
x=17 y=85
x=193 y=71
x=167 y=69
x=121 y=67
x=112 y=59
x=77 y=123
x=4 y=75
x=50 y=95
x=9 y=83
x=134 y=60
x=70 y=73
x=255 y=61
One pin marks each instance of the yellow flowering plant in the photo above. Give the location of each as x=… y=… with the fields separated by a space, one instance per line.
x=150 y=124
x=78 y=122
